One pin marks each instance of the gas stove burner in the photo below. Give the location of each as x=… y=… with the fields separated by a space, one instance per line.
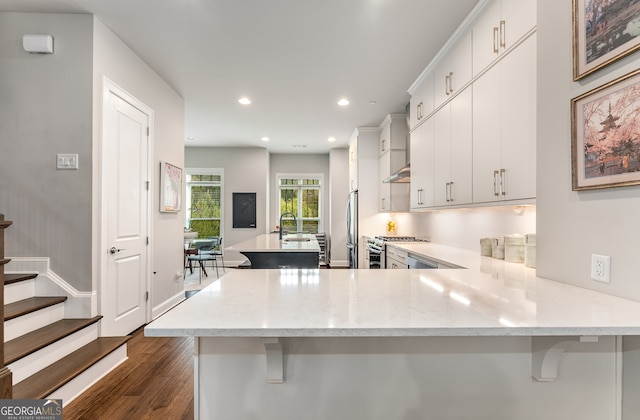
x=396 y=238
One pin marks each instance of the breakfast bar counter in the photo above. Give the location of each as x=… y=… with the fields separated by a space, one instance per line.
x=380 y=344
x=298 y=250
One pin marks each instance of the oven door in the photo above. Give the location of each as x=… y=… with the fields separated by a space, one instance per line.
x=374 y=256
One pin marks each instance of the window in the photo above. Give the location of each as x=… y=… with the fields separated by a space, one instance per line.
x=300 y=195
x=204 y=201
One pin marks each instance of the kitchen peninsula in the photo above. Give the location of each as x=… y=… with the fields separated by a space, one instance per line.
x=298 y=250
x=400 y=344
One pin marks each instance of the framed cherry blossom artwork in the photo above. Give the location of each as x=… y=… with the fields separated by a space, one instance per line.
x=170 y=188
x=603 y=31
x=605 y=133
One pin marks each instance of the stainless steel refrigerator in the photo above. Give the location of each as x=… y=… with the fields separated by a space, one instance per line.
x=352 y=229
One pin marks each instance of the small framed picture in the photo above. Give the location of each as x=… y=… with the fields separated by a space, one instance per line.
x=603 y=31
x=605 y=133
x=170 y=188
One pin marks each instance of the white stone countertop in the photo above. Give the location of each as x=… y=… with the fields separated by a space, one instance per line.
x=272 y=243
x=488 y=298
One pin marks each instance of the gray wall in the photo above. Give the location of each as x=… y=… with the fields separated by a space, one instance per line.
x=114 y=60
x=573 y=225
x=52 y=104
x=245 y=170
x=299 y=163
x=45 y=109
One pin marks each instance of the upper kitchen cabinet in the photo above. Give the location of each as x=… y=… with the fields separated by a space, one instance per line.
x=504 y=128
x=499 y=27
x=393 y=133
x=453 y=70
x=422 y=166
x=392 y=144
x=363 y=145
x=421 y=99
x=453 y=150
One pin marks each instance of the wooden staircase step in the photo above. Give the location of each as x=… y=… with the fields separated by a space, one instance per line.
x=26 y=306
x=56 y=375
x=42 y=337
x=16 y=278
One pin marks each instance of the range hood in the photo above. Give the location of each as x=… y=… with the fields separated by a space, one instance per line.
x=402 y=175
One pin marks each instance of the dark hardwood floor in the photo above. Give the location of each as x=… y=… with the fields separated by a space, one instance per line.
x=155 y=383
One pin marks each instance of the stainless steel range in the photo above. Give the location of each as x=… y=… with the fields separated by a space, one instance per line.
x=377 y=248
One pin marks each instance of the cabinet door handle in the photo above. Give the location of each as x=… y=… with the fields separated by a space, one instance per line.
x=496 y=173
x=495 y=39
x=451 y=191
x=446 y=192
x=503 y=182
x=383 y=207
x=450 y=86
x=383 y=146
x=503 y=43
x=420 y=196
x=446 y=84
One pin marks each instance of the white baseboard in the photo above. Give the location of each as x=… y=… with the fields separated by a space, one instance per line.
x=167 y=304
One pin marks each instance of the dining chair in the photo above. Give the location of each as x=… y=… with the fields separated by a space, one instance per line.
x=206 y=252
x=218 y=250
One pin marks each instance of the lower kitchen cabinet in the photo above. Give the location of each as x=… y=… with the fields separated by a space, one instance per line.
x=396 y=258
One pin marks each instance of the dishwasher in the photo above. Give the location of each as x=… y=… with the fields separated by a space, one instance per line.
x=414 y=264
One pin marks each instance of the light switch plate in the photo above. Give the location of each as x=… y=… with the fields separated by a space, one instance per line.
x=67 y=161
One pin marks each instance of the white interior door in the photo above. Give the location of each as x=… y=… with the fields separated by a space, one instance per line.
x=125 y=215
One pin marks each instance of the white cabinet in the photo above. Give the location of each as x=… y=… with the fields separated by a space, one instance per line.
x=453 y=70
x=499 y=27
x=362 y=145
x=422 y=170
x=453 y=150
x=421 y=100
x=395 y=258
x=393 y=135
x=504 y=128
x=392 y=149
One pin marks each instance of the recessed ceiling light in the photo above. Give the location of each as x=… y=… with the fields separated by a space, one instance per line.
x=265 y=139
x=191 y=138
x=300 y=145
x=343 y=102
x=244 y=100
x=331 y=139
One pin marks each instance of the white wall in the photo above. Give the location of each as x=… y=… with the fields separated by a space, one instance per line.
x=573 y=225
x=245 y=170
x=114 y=60
x=463 y=228
x=45 y=109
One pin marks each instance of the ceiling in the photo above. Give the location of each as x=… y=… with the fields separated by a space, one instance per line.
x=294 y=59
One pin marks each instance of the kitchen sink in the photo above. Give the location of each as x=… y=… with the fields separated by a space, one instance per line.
x=296 y=239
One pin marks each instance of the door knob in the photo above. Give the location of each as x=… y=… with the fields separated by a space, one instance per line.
x=113 y=250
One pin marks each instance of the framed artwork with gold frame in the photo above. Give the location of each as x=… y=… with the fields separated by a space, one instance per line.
x=605 y=131
x=604 y=31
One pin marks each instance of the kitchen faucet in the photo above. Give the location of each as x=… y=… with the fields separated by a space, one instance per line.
x=294 y=220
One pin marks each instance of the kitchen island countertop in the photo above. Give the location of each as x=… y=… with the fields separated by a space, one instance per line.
x=271 y=243
x=489 y=298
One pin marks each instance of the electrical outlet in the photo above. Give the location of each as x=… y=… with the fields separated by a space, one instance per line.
x=601 y=268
